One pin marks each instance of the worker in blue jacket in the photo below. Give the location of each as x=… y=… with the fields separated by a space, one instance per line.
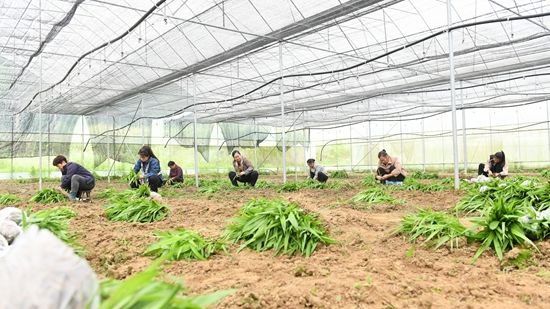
x=150 y=165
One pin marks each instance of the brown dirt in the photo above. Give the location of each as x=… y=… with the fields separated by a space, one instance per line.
x=367 y=269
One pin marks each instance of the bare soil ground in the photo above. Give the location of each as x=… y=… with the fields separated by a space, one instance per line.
x=367 y=269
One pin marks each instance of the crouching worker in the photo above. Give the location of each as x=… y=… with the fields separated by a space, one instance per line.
x=496 y=166
x=150 y=165
x=176 y=173
x=244 y=171
x=75 y=177
x=317 y=171
x=389 y=169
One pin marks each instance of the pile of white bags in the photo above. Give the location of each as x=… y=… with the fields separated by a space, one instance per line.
x=40 y=271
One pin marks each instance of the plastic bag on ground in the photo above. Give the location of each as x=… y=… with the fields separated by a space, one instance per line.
x=9 y=230
x=40 y=271
x=11 y=213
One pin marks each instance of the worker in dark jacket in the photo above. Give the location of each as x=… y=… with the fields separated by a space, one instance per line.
x=176 y=173
x=75 y=177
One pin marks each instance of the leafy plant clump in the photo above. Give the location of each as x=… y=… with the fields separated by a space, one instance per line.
x=8 y=199
x=48 y=195
x=369 y=180
x=107 y=193
x=501 y=229
x=151 y=289
x=339 y=174
x=186 y=244
x=424 y=175
x=132 y=178
x=545 y=174
x=436 y=228
x=56 y=220
x=374 y=195
x=276 y=224
x=135 y=210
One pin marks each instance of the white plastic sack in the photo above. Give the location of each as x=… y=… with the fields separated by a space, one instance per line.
x=11 y=213
x=9 y=230
x=155 y=196
x=4 y=247
x=41 y=271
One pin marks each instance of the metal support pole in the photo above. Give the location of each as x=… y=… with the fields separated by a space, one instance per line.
x=142 y=122
x=370 y=138
x=464 y=144
x=195 y=129
x=255 y=139
x=217 y=141
x=281 y=86
x=453 y=103
x=82 y=136
x=423 y=144
x=108 y=156
x=548 y=128
x=40 y=100
x=401 y=139
x=295 y=151
x=13 y=148
x=519 y=139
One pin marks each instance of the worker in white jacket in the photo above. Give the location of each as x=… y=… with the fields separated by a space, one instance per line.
x=317 y=171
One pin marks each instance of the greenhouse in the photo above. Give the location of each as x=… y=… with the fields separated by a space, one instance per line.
x=283 y=81
x=441 y=85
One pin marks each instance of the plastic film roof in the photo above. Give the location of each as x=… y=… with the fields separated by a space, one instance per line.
x=342 y=62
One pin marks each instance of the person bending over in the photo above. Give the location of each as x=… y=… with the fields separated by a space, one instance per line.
x=389 y=168
x=75 y=177
x=176 y=173
x=496 y=166
x=244 y=171
x=317 y=171
x=150 y=166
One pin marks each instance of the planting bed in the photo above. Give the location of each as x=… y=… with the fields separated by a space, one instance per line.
x=369 y=268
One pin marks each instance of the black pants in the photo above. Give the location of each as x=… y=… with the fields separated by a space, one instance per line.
x=78 y=184
x=251 y=178
x=382 y=172
x=494 y=170
x=320 y=176
x=154 y=183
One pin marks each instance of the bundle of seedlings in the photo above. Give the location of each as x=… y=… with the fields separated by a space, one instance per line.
x=276 y=224
x=424 y=175
x=185 y=244
x=107 y=193
x=8 y=199
x=545 y=174
x=433 y=228
x=369 y=180
x=518 y=192
x=132 y=178
x=499 y=226
x=140 y=192
x=153 y=289
x=375 y=195
x=56 y=220
x=339 y=174
x=289 y=187
x=48 y=195
x=264 y=184
x=135 y=210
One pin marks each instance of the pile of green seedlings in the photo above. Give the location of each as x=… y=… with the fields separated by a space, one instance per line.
x=374 y=195
x=153 y=289
x=185 y=245
x=9 y=199
x=56 y=220
x=134 y=206
x=424 y=175
x=339 y=174
x=48 y=195
x=276 y=224
x=509 y=212
x=308 y=183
